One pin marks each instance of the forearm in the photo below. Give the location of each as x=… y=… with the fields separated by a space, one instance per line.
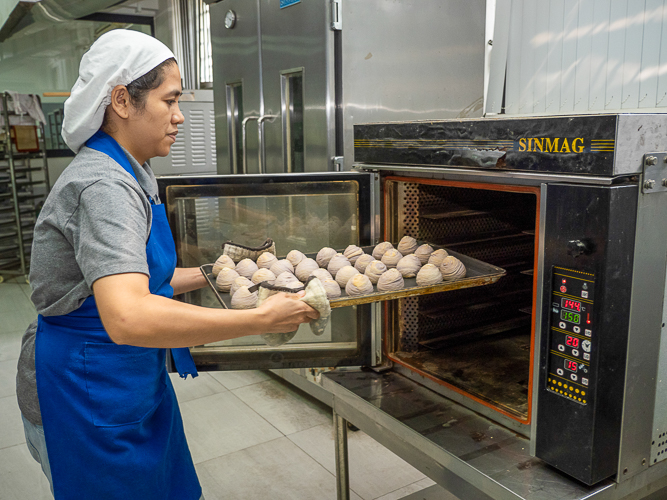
x=132 y=315
x=155 y=321
x=186 y=279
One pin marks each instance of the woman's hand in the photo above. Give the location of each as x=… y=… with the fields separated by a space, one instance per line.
x=284 y=312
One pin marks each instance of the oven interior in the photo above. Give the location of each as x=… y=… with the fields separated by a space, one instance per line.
x=476 y=341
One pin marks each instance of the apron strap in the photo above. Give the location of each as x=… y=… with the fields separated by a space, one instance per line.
x=183 y=362
x=106 y=144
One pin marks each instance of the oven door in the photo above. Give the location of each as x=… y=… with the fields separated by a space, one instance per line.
x=304 y=212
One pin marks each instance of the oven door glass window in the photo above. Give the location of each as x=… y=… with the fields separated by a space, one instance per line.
x=303 y=215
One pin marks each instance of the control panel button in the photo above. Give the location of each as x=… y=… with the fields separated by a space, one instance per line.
x=576 y=329
x=588 y=332
x=575 y=352
x=560 y=372
x=563 y=289
x=561 y=347
x=586 y=345
x=573 y=376
x=584 y=294
x=587 y=356
x=562 y=324
x=584 y=381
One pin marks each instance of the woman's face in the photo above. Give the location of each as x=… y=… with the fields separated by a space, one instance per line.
x=153 y=130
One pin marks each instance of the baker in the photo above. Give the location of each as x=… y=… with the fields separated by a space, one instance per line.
x=98 y=407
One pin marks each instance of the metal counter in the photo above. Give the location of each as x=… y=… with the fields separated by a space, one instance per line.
x=463 y=452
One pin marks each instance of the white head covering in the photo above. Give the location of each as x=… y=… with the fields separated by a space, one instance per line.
x=118 y=57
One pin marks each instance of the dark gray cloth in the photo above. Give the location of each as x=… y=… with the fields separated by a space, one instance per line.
x=94 y=223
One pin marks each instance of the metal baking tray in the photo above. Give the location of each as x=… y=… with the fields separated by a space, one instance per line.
x=478 y=273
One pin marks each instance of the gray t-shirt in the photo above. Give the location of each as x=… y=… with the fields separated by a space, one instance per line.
x=94 y=223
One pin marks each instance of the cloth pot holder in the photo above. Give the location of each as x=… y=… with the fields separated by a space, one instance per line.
x=316 y=297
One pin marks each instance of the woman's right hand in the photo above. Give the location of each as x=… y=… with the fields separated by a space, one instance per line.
x=284 y=312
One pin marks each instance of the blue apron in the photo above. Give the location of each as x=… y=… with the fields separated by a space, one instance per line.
x=111 y=420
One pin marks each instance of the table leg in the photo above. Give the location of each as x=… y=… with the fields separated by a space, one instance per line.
x=342 y=468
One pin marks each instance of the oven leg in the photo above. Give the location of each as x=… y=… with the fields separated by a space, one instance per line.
x=342 y=468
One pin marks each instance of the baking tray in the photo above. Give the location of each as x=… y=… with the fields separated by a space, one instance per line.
x=478 y=273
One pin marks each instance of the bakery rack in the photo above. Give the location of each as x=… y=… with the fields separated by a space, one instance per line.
x=24 y=185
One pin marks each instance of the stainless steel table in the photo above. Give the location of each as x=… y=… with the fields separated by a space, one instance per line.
x=462 y=451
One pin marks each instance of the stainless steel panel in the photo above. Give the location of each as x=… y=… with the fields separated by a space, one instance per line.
x=298 y=38
x=636 y=135
x=236 y=59
x=498 y=57
x=659 y=438
x=411 y=60
x=648 y=284
x=465 y=453
x=376 y=311
x=535 y=370
x=511 y=98
x=310 y=385
x=469 y=174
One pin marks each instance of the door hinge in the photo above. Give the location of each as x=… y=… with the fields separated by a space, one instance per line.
x=336 y=19
x=338 y=163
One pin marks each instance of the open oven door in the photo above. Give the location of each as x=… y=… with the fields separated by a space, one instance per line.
x=304 y=212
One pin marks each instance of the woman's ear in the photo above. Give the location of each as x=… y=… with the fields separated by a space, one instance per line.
x=120 y=101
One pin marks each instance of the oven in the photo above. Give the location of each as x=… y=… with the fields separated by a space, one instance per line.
x=563 y=353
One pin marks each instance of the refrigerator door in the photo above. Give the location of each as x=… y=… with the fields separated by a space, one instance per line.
x=237 y=90
x=298 y=83
x=304 y=212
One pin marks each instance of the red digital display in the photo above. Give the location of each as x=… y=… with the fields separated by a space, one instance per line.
x=571 y=365
x=572 y=305
x=571 y=341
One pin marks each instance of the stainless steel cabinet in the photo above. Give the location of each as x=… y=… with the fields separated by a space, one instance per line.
x=267 y=117
x=291 y=81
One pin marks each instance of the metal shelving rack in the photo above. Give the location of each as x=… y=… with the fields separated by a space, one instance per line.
x=24 y=185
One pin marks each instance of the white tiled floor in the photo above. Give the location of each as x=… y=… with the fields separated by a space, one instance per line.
x=252 y=436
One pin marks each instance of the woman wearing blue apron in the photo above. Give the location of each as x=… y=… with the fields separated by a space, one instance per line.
x=99 y=410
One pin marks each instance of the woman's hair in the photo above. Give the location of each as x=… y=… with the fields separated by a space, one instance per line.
x=138 y=89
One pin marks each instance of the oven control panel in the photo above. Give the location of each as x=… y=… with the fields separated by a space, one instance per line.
x=589 y=245
x=572 y=335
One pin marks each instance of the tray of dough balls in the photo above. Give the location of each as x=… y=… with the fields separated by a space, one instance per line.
x=355 y=275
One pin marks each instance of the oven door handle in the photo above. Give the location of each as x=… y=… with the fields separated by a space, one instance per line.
x=261 y=154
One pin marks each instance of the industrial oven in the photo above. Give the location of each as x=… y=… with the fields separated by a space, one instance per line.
x=564 y=352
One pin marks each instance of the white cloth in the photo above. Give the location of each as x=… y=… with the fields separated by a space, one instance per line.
x=25 y=104
x=118 y=57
